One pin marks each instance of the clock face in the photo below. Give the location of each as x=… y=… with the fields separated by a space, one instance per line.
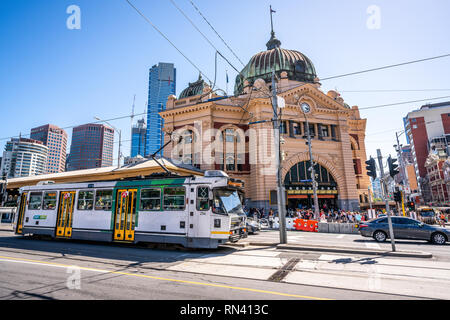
x=306 y=108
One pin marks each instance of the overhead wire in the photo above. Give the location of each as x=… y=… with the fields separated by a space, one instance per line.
x=215 y=31
x=400 y=103
x=386 y=67
x=394 y=90
x=165 y=37
x=204 y=36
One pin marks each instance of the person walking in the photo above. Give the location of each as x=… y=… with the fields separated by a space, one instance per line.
x=271 y=218
x=358 y=218
x=442 y=219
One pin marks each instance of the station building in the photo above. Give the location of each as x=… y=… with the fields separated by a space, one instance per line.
x=235 y=134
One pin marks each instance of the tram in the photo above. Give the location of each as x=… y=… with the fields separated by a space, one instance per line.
x=194 y=211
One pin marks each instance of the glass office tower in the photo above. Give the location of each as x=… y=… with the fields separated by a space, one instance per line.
x=138 y=132
x=162 y=84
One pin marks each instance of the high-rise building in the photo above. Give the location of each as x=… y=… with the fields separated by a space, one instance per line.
x=24 y=158
x=55 y=139
x=421 y=126
x=92 y=147
x=138 y=133
x=162 y=84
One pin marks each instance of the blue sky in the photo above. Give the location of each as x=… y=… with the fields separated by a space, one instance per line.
x=50 y=74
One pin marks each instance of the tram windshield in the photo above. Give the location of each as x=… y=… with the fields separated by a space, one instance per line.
x=227 y=201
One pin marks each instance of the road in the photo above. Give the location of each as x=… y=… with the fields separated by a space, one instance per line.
x=47 y=270
x=441 y=253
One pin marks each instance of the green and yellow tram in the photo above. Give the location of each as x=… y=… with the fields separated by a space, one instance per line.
x=195 y=211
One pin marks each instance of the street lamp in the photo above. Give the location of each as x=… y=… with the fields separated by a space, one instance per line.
x=306 y=109
x=120 y=138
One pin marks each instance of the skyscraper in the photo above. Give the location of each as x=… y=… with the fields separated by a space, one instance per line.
x=24 y=158
x=162 y=84
x=138 y=133
x=92 y=147
x=55 y=139
x=422 y=125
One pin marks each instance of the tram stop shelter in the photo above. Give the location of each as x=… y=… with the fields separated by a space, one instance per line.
x=141 y=169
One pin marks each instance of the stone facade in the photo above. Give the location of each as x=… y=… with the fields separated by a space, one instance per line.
x=236 y=134
x=340 y=148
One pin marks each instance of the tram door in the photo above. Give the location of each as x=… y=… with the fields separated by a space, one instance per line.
x=23 y=203
x=125 y=217
x=65 y=214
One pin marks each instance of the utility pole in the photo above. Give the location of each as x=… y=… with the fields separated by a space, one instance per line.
x=281 y=193
x=386 y=199
x=313 y=171
x=120 y=139
x=370 y=201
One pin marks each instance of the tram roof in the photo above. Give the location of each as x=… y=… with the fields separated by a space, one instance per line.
x=144 y=168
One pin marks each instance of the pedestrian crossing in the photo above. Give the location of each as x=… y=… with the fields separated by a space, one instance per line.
x=422 y=278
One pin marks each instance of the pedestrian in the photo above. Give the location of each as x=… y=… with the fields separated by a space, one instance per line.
x=358 y=218
x=350 y=218
x=442 y=217
x=271 y=218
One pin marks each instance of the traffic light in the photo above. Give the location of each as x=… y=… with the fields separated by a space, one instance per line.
x=371 y=168
x=411 y=205
x=398 y=196
x=393 y=167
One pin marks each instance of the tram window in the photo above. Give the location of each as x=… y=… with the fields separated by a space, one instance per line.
x=150 y=200
x=49 y=201
x=174 y=198
x=85 y=200
x=103 y=200
x=35 y=201
x=203 y=198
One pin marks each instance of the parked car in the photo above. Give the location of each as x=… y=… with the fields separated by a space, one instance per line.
x=404 y=228
x=253 y=226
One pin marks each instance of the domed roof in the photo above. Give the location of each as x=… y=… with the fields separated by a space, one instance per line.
x=194 y=89
x=296 y=64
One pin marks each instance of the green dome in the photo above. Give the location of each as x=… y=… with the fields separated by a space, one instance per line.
x=296 y=64
x=194 y=89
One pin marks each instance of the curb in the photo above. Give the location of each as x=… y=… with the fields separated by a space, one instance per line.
x=403 y=254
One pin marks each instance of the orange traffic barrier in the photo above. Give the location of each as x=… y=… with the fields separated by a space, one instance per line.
x=306 y=225
x=298 y=224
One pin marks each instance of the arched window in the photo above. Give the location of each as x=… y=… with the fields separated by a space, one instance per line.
x=186 y=152
x=232 y=145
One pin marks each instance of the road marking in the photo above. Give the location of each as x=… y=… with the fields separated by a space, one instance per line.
x=52 y=264
x=340 y=236
x=372 y=245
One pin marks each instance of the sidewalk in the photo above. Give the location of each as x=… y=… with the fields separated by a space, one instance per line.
x=6 y=227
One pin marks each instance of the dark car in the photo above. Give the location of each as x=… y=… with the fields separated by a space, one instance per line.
x=404 y=228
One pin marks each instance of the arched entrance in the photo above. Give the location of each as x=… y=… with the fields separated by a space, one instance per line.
x=299 y=187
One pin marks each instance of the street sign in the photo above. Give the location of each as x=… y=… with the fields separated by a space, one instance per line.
x=281 y=102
